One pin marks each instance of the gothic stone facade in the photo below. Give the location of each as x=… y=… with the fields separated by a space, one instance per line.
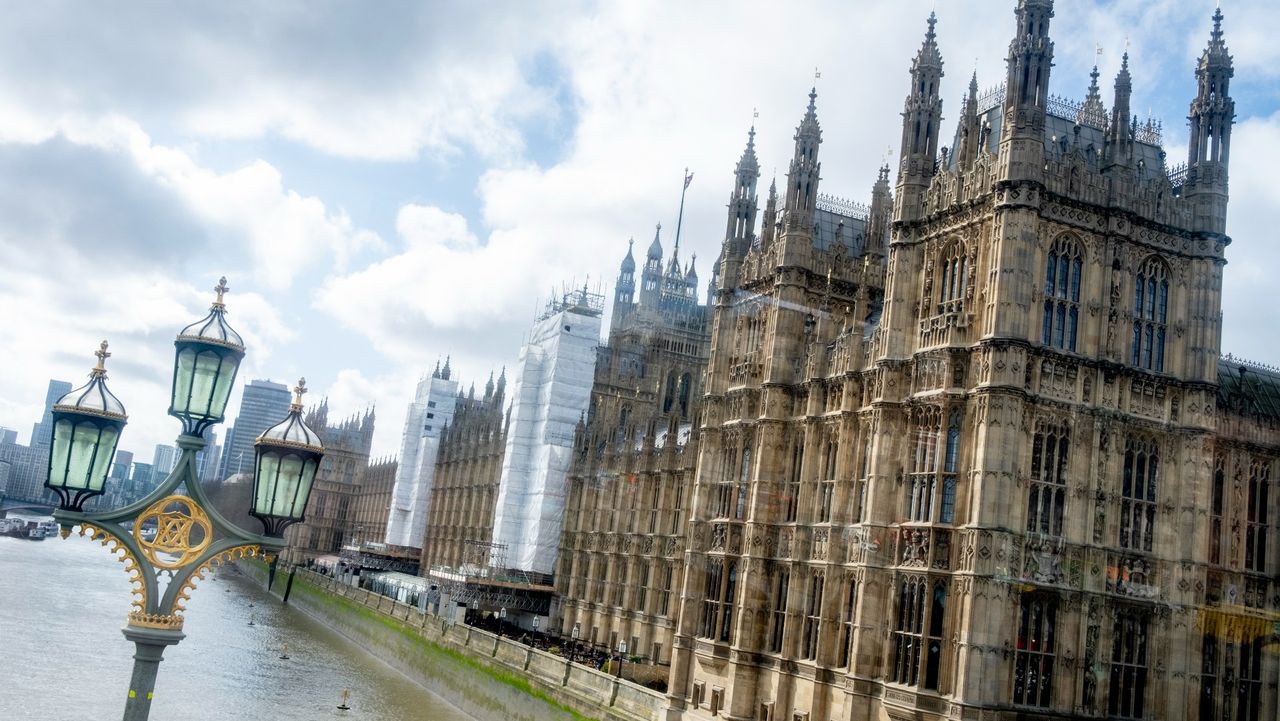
x=330 y=510
x=459 y=527
x=621 y=555
x=997 y=468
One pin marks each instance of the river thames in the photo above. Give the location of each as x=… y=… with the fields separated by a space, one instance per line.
x=63 y=658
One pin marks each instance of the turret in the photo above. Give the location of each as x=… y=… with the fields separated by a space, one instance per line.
x=921 y=117
x=651 y=276
x=969 y=129
x=625 y=290
x=878 y=219
x=769 y=222
x=803 y=175
x=1119 y=131
x=740 y=226
x=1092 y=112
x=1027 y=92
x=1209 y=143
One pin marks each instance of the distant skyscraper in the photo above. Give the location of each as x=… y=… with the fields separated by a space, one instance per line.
x=429 y=411
x=122 y=468
x=165 y=459
x=208 y=460
x=8 y=435
x=263 y=405
x=551 y=392
x=42 y=432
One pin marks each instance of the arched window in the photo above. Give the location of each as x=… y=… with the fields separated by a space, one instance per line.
x=1034 y=655
x=686 y=381
x=1150 y=313
x=624 y=415
x=933 y=478
x=1062 y=295
x=1047 y=497
x=670 y=396
x=917 y=635
x=1138 y=495
x=812 y=617
x=955 y=275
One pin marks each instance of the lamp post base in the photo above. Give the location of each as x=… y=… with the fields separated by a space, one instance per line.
x=150 y=644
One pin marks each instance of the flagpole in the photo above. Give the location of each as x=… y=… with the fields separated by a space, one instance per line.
x=680 y=217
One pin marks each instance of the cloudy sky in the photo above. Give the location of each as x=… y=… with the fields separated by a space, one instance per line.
x=384 y=184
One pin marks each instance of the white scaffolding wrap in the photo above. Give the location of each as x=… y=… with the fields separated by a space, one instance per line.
x=551 y=392
x=430 y=409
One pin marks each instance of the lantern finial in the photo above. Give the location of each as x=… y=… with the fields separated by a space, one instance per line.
x=298 y=390
x=103 y=355
x=221 y=288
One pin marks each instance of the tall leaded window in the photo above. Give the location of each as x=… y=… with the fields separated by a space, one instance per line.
x=934 y=468
x=726 y=490
x=860 y=512
x=664 y=597
x=1248 y=701
x=792 y=496
x=1255 y=539
x=726 y=613
x=620 y=586
x=1138 y=494
x=1230 y=679
x=1128 y=665
x=744 y=476
x=955 y=275
x=642 y=587
x=1062 y=295
x=1150 y=313
x=1208 y=676
x=924 y=466
x=714 y=584
x=778 y=611
x=846 y=622
x=812 y=617
x=1045 y=501
x=1216 y=504
x=917 y=635
x=1034 y=655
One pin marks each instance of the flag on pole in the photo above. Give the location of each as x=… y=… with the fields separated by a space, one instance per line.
x=688 y=178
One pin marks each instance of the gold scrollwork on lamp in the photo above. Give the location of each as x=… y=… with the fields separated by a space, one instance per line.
x=183 y=530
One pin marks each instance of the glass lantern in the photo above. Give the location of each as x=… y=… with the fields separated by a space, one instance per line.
x=204 y=368
x=87 y=423
x=287 y=457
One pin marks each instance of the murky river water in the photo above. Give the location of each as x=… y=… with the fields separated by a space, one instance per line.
x=63 y=658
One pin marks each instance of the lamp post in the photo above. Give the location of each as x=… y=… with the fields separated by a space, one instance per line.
x=190 y=534
x=502 y=620
x=575 y=633
x=622 y=652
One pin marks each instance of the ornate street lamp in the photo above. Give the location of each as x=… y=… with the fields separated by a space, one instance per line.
x=190 y=534
x=204 y=368
x=86 y=428
x=287 y=456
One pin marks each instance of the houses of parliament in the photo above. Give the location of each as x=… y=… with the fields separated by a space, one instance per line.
x=970 y=450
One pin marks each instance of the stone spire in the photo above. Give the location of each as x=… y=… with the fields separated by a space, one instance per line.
x=1092 y=112
x=445 y=372
x=769 y=221
x=969 y=130
x=625 y=289
x=651 y=276
x=1027 y=92
x=1119 y=135
x=921 y=117
x=739 y=234
x=740 y=227
x=878 y=219
x=1209 y=143
x=804 y=173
